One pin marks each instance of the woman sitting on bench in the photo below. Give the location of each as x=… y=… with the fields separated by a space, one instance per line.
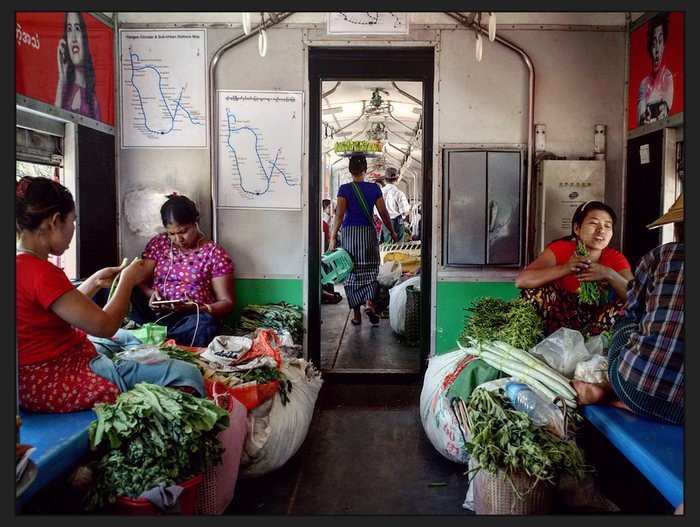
x=59 y=367
x=647 y=351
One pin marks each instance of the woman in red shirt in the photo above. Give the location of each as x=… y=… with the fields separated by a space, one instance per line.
x=552 y=281
x=59 y=368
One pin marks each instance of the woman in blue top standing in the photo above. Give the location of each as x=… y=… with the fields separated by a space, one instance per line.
x=359 y=237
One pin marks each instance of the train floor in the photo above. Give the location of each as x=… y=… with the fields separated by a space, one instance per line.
x=365 y=453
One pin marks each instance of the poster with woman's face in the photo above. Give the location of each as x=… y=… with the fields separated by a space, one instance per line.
x=66 y=59
x=656 y=69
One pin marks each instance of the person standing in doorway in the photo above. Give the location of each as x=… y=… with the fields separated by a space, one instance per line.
x=396 y=204
x=656 y=89
x=75 y=90
x=359 y=239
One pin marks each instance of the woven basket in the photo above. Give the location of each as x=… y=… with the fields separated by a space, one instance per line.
x=495 y=495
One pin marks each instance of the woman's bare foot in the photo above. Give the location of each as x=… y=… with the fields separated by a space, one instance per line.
x=591 y=393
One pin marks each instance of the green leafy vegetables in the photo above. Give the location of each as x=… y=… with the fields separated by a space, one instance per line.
x=152 y=436
x=505 y=439
x=515 y=322
x=590 y=292
x=280 y=317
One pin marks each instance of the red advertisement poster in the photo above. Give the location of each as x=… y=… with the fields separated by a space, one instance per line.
x=66 y=59
x=656 y=69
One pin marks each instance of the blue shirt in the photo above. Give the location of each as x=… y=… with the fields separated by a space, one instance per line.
x=354 y=215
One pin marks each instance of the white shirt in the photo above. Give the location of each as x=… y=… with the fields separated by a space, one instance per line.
x=395 y=200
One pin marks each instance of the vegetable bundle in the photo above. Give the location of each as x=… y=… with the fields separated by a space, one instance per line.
x=513 y=321
x=524 y=366
x=505 y=439
x=152 y=436
x=589 y=292
x=280 y=317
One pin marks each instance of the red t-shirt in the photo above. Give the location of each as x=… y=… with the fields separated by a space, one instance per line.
x=563 y=249
x=41 y=334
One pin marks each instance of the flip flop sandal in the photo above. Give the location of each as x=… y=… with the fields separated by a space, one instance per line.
x=356 y=321
x=373 y=317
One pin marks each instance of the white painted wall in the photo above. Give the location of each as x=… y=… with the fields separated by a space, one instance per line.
x=579 y=82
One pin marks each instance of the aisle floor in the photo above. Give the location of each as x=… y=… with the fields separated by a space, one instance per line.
x=365 y=453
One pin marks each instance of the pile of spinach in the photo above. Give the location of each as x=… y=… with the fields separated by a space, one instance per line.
x=152 y=436
x=513 y=321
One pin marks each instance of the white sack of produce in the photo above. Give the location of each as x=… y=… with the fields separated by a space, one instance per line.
x=277 y=430
x=439 y=421
x=397 y=304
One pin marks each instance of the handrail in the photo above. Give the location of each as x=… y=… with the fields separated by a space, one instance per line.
x=275 y=18
x=530 y=114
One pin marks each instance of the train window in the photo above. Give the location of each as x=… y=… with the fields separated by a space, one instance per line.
x=39 y=152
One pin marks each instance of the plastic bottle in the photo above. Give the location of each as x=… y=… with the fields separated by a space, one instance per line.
x=541 y=411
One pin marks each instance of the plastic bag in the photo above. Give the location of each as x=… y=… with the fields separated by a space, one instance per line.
x=562 y=350
x=594 y=370
x=151 y=333
x=439 y=421
x=143 y=354
x=397 y=304
x=389 y=273
x=597 y=345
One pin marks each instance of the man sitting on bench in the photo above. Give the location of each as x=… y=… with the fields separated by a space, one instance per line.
x=647 y=349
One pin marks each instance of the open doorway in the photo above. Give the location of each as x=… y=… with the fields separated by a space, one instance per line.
x=383 y=96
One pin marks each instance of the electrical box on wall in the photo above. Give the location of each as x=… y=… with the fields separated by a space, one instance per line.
x=565 y=185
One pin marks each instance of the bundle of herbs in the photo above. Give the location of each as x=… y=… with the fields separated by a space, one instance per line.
x=152 y=436
x=515 y=322
x=589 y=292
x=503 y=439
x=280 y=317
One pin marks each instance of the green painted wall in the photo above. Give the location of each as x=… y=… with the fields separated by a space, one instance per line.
x=453 y=299
x=263 y=291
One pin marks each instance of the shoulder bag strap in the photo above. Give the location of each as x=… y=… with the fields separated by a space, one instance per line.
x=363 y=203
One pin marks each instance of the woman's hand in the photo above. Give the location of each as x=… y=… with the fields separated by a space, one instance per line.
x=394 y=237
x=577 y=264
x=595 y=272
x=331 y=244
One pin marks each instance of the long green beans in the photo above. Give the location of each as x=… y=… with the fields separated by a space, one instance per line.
x=590 y=292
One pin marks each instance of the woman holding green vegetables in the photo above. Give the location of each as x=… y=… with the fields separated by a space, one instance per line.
x=578 y=282
x=59 y=367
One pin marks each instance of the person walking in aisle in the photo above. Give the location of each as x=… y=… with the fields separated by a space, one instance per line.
x=396 y=204
x=359 y=238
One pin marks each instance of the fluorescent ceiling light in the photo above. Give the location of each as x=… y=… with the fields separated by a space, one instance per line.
x=335 y=109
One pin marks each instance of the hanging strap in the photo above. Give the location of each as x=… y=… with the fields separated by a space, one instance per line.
x=363 y=203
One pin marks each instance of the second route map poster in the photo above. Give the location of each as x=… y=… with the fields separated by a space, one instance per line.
x=260 y=149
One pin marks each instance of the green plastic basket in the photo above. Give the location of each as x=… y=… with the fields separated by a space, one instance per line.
x=335 y=266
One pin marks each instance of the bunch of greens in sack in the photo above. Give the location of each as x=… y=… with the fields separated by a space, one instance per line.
x=515 y=322
x=589 y=292
x=504 y=439
x=280 y=317
x=152 y=436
